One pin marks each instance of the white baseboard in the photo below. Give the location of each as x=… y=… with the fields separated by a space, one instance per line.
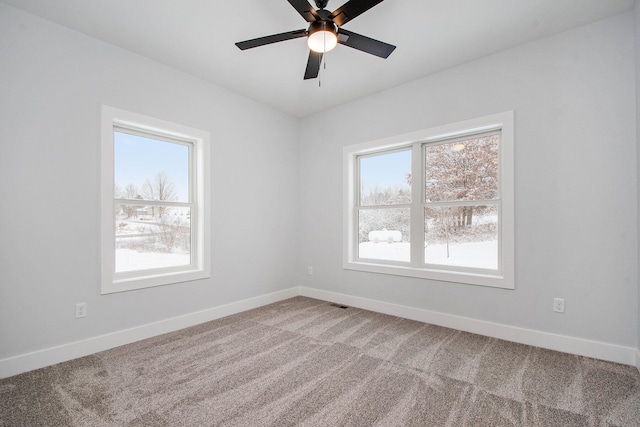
x=566 y=344
x=62 y=353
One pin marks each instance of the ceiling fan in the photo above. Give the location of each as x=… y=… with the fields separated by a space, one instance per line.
x=325 y=32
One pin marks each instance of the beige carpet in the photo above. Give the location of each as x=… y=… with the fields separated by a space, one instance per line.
x=306 y=362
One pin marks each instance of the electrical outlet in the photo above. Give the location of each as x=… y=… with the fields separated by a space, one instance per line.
x=81 y=310
x=310 y=270
x=558 y=305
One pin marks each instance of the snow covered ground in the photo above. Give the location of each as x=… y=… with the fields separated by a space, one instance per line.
x=130 y=260
x=141 y=244
x=472 y=254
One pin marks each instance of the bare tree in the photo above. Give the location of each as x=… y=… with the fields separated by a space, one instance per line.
x=162 y=189
x=131 y=192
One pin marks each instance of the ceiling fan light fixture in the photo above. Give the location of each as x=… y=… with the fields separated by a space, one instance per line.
x=322 y=37
x=325 y=32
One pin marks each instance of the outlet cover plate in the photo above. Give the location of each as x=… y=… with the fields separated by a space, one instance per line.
x=81 y=310
x=558 y=305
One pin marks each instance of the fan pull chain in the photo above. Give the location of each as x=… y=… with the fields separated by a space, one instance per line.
x=324 y=45
x=324 y=66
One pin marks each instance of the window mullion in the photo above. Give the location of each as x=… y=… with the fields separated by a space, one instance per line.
x=140 y=202
x=462 y=203
x=355 y=213
x=398 y=206
x=417 y=213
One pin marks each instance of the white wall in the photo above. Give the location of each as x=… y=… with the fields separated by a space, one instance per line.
x=52 y=83
x=576 y=192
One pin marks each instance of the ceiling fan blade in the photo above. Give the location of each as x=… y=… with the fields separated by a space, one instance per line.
x=313 y=65
x=365 y=44
x=350 y=10
x=261 y=41
x=304 y=8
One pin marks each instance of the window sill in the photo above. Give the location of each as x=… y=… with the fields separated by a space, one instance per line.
x=132 y=283
x=492 y=280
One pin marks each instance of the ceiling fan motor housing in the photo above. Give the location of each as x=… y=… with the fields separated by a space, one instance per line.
x=323 y=26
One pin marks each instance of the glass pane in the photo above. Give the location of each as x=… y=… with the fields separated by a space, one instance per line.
x=384 y=234
x=385 y=179
x=462 y=170
x=462 y=236
x=152 y=237
x=150 y=169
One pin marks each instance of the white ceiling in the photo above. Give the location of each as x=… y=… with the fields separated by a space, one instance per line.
x=198 y=36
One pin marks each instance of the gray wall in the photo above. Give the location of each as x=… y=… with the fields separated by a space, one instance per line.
x=576 y=193
x=636 y=12
x=52 y=82
x=277 y=184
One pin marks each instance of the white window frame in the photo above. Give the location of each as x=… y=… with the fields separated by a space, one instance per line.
x=504 y=277
x=199 y=141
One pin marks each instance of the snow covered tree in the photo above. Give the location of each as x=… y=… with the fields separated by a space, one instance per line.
x=462 y=170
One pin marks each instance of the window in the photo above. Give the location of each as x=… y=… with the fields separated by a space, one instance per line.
x=154 y=200
x=384 y=208
x=435 y=204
